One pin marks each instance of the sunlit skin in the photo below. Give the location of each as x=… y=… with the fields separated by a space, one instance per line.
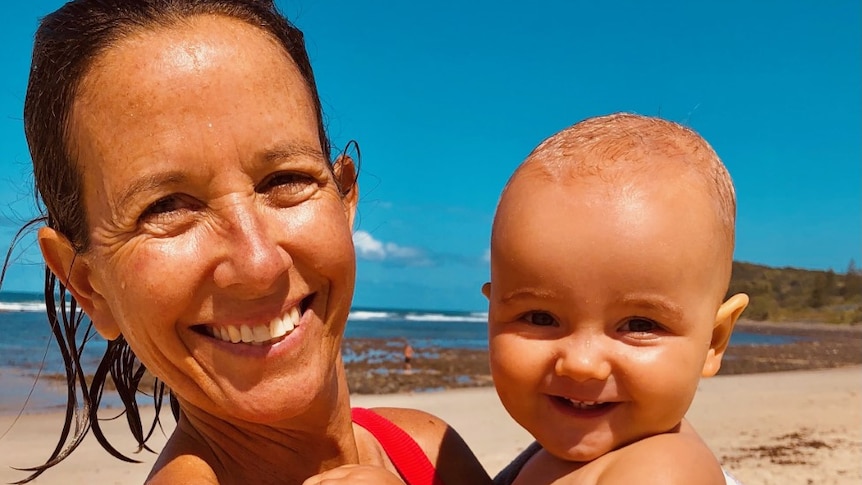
x=210 y=203
x=605 y=290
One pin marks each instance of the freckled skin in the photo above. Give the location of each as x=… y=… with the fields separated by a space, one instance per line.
x=212 y=119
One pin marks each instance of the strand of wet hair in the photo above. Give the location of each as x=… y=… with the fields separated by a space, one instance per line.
x=119 y=360
x=74 y=374
x=70 y=365
x=6 y=262
x=127 y=373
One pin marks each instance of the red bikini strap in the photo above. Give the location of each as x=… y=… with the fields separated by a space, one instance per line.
x=405 y=453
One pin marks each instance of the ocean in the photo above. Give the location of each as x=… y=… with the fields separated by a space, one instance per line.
x=26 y=345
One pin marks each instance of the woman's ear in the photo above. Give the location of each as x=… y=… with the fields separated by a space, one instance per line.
x=347 y=179
x=486 y=290
x=725 y=319
x=74 y=273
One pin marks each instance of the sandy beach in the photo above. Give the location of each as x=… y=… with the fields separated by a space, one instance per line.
x=786 y=428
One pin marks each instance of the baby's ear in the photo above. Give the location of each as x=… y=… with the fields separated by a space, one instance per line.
x=74 y=273
x=486 y=290
x=725 y=319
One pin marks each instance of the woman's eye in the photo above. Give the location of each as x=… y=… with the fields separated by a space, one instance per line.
x=169 y=214
x=289 y=181
x=541 y=319
x=162 y=206
x=288 y=189
x=640 y=325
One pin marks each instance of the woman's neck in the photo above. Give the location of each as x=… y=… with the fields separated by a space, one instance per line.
x=245 y=453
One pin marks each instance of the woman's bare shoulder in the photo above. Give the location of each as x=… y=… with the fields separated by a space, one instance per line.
x=444 y=447
x=180 y=463
x=418 y=424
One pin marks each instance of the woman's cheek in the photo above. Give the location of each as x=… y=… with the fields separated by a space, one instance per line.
x=157 y=271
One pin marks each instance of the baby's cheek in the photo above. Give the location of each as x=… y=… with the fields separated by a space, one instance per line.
x=511 y=364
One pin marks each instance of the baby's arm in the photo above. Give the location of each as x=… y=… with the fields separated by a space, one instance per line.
x=355 y=474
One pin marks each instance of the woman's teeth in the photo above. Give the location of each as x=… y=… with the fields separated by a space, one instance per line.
x=258 y=334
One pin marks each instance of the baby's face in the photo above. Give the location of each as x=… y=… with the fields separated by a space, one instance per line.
x=603 y=297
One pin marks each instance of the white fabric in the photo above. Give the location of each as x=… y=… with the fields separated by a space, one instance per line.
x=729 y=480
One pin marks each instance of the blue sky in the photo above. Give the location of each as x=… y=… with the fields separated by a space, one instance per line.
x=445 y=99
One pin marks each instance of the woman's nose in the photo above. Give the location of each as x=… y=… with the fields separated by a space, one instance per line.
x=582 y=358
x=253 y=256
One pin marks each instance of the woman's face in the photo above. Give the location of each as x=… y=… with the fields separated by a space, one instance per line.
x=221 y=246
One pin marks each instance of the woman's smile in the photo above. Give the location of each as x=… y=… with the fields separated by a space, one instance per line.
x=266 y=333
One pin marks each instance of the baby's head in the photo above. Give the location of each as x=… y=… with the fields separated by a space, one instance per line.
x=610 y=259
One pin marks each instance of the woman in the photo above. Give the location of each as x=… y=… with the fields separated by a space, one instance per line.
x=194 y=216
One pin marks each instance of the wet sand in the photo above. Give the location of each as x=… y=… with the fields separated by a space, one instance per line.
x=821 y=346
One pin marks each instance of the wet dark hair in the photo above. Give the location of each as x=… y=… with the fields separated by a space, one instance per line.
x=65 y=46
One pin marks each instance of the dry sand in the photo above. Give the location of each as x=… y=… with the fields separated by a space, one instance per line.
x=801 y=427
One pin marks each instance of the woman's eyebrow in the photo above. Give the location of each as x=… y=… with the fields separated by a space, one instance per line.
x=151 y=182
x=289 y=150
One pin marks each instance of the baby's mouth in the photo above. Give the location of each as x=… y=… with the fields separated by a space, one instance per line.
x=583 y=405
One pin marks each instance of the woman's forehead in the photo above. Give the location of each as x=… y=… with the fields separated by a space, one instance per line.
x=212 y=91
x=210 y=69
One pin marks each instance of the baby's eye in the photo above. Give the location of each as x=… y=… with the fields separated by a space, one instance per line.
x=640 y=325
x=541 y=319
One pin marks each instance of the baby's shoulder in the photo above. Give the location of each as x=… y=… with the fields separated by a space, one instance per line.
x=667 y=458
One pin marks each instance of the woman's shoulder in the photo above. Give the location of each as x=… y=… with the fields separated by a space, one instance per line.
x=444 y=447
x=430 y=432
x=180 y=462
x=420 y=425
x=185 y=468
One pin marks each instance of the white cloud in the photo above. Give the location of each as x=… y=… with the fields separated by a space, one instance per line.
x=367 y=247
x=487 y=256
x=371 y=249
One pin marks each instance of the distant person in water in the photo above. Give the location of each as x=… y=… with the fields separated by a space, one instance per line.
x=408 y=358
x=611 y=254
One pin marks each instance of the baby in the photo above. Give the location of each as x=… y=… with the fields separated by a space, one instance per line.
x=610 y=258
x=611 y=253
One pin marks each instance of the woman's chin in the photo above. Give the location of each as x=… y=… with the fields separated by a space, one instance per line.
x=263 y=404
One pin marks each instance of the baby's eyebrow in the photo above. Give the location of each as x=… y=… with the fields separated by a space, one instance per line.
x=656 y=303
x=528 y=293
